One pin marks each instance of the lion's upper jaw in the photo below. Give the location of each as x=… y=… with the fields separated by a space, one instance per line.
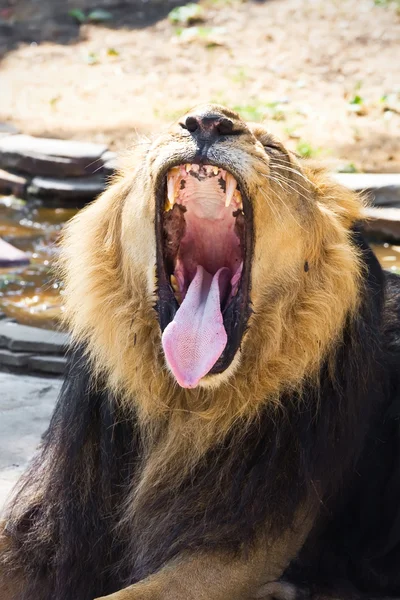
x=300 y=220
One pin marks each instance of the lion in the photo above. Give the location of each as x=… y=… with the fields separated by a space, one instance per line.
x=228 y=428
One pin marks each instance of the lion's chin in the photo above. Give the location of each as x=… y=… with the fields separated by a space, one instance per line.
x=214 y=381
x=204 y=232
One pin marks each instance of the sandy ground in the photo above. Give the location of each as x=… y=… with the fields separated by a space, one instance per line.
x=325 y=74
x=26 y=404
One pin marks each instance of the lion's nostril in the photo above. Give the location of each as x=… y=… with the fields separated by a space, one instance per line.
x=192 y=124
x=225 y=127
x=208 y=125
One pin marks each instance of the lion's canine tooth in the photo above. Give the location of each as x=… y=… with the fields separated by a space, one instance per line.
x=188 y=166
x=215 y=170
x=230 y=188
x=172 y=186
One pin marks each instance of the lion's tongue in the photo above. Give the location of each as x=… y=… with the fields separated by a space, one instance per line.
x=196 y=338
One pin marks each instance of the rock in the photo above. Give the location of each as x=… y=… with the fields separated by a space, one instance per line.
x=22 y=338
x=110 y=163
x=12 y=184
x=11 y=256
x=13 y=359
x=70 y=191
x=7 y=129
x=26 y=404
x=382 y=188
x=109 y=155
x=50 y=157
x=48 y=364
x=383 y=224
x=109 y=168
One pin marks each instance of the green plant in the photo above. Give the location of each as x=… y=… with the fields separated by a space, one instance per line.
x=187 y=14
x=77 y=14
x=348 y=168
x=92 y=58
x=250 y=112
x=210 y=36
x=96 y=16
x=240 y=76
x=386 y=3
x=99 y=16
x=258 y=111
x=306 y=150
x=356 y=100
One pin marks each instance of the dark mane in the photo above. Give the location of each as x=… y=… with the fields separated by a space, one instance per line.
x=64 y=521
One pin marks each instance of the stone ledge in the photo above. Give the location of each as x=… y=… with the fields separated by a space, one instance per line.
x=382 y=188
x=383 y=224
x=48 y=364
x=70 y=190
x=50 y=157
x=13 y=359
x=22 y=338
x=6 y=129
x=11 y=183
x=45 y=363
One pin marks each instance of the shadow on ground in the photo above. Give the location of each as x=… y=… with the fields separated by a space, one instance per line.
x=37 y=21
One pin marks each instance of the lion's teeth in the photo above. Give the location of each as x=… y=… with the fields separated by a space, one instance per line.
x=174 y=283
x=173 y=181
x=230 y=188
x=215 y=170
x=188 y=166
x=175 y=287
x=238 y=199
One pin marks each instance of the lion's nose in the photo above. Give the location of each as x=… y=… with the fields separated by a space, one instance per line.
x=208 y=126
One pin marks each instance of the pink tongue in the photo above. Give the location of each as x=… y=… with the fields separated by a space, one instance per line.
x=196 y=338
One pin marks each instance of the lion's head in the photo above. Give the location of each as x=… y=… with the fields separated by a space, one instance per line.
x=216 y=260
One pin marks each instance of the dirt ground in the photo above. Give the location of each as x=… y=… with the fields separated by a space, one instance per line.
x=325 y=74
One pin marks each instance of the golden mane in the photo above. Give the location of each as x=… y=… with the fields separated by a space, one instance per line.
x=305 y=285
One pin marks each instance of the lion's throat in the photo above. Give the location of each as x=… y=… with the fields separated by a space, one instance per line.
x=196 y=338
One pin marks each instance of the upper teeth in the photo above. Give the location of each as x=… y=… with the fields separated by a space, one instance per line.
x=230 y=188
x=176 y=174
x=173 y=182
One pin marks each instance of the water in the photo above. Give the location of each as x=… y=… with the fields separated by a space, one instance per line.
x=32 y=294
x=389 y=256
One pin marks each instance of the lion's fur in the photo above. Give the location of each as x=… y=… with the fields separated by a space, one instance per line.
x=108 y=260
x=141 y=469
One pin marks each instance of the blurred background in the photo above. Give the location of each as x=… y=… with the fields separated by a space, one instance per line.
x=324 y=75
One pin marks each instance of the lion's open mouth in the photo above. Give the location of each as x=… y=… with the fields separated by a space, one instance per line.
x=204 y=233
